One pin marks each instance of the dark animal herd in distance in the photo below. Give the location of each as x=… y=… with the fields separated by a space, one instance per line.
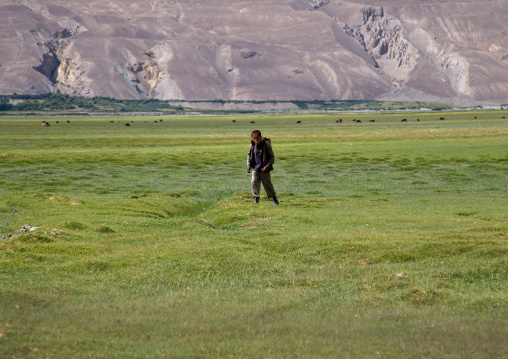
x=47 y=124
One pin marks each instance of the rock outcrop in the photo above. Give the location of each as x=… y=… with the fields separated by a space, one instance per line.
x=26 y=228
x=383 y=39
x=259 y=50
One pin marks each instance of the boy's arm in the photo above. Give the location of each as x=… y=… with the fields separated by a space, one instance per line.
x=269 y=156
x=248 y=159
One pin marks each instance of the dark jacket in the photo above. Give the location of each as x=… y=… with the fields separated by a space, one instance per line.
x=268 y=157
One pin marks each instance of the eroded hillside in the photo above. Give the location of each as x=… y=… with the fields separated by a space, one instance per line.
x=257 y=50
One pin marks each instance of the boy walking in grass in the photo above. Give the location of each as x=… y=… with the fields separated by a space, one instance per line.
x=260 y=161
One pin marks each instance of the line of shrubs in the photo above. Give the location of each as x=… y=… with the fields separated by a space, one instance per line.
x=56 y=102
x=48 y=102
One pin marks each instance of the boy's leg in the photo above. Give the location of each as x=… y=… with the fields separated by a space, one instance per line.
x=267 y=184
x=256 y=185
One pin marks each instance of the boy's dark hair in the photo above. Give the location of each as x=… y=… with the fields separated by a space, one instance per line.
x=255 y=132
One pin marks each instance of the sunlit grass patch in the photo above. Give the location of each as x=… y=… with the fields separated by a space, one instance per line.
x=390 y=238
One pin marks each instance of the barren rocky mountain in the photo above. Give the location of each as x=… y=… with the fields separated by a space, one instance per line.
x=257 y=50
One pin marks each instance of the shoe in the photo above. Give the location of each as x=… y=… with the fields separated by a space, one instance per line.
x=275 y=201
x=256 y=199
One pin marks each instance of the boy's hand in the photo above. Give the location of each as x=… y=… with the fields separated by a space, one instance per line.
x=248 y=169
x=264 y=169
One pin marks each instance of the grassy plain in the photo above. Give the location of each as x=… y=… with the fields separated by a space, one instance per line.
x=391 y=239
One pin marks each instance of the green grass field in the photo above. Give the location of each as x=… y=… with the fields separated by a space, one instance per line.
x=391 y=240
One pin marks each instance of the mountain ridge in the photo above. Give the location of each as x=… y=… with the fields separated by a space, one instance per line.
x=263 y=50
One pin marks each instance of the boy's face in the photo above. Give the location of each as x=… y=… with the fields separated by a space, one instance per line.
x=256 y=139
